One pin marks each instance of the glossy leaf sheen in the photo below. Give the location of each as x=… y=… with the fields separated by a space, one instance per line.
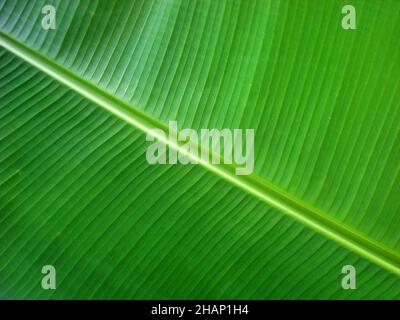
x=77 y=192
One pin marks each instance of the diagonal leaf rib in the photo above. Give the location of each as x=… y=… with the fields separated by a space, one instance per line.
x=259 y=188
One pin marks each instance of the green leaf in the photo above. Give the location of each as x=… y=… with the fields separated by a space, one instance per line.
x=76 y=189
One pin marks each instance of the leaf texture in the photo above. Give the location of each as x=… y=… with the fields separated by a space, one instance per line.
x=77 y=190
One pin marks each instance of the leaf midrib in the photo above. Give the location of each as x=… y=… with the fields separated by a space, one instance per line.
x=267 y=192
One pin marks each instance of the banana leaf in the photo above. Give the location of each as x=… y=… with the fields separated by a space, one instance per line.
x=76 y=190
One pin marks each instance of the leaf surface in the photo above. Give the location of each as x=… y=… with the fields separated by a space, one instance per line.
x=78 y=193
